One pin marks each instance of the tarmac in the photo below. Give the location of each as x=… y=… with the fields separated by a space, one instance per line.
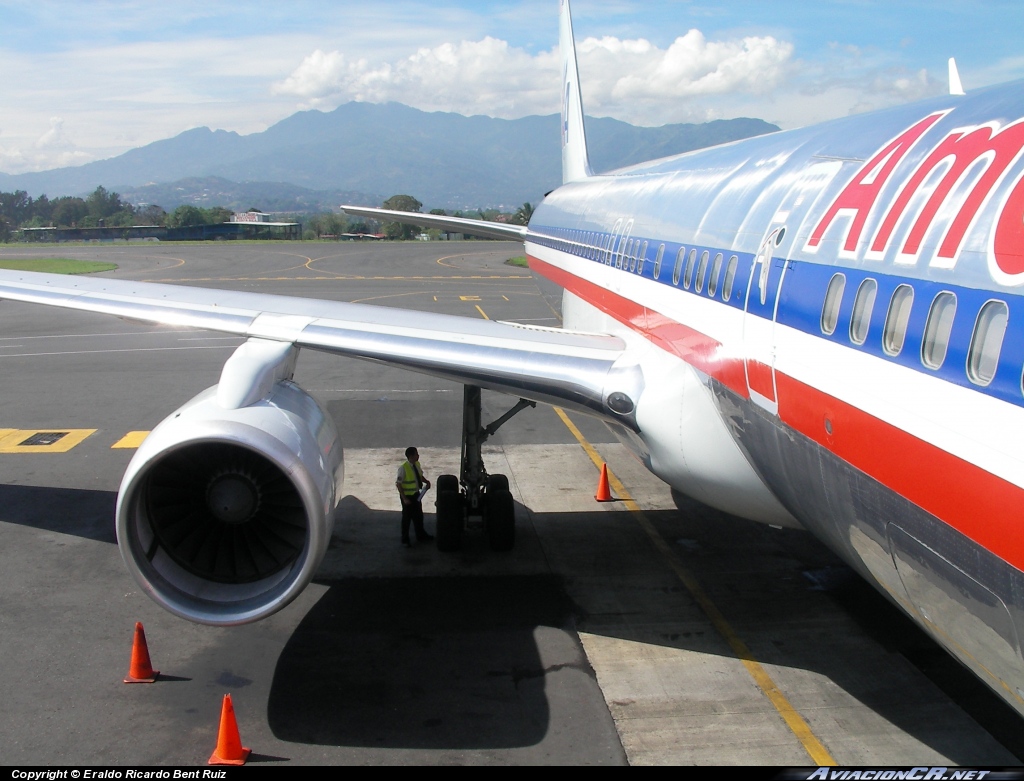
x=651 y=630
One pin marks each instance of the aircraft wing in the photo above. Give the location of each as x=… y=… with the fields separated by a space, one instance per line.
x=489 y=230
x=549 y=365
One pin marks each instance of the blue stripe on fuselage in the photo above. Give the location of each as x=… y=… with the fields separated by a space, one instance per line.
x=803 y=297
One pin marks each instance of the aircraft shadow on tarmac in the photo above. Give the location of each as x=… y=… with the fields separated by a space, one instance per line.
x=432 y=662
x=79 y=512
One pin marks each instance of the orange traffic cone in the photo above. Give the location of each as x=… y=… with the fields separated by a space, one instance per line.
x=141 y=670
x=229 y=749
x=604 y=493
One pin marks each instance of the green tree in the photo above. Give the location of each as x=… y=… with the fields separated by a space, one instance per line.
x=103 y=204
x=218 y=214
x=122 y=219
x=42 y=211
x=151 y=215
x=401 y=203
x=5 y=230
x=186 y=216
x=325 y=224
x=69 y=212
x=15 y=207
x=523 y=214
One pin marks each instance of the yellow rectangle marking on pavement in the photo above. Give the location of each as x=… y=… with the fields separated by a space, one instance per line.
x=130 y=441
x=469 y=298
x=12 y=441
x=796 y=723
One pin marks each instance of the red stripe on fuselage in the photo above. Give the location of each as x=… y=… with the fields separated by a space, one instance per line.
x=672 y=336
x=976 y=503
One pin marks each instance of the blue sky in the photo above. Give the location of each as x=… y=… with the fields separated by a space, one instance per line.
x=86 y=81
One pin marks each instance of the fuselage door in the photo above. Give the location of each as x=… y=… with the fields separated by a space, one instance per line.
x=763 y=287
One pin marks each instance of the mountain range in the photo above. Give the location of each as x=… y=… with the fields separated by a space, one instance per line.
x=366 y=152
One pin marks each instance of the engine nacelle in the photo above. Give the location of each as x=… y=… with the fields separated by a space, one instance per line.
x=224 y=515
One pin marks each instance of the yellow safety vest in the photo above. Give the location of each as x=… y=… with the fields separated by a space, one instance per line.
x=411 y=479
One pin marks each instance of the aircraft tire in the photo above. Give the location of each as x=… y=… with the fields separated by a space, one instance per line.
x=449 y=520
x=447 y=483
x=501 y=520
x=497 y=483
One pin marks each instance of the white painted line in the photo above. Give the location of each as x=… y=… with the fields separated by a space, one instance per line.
x=213 y=339
x=165 y=332
x=133 y=350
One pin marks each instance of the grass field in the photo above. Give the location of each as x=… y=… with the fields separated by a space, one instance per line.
x=55 y=265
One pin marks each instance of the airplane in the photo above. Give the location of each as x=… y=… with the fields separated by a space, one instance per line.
x=819 y=329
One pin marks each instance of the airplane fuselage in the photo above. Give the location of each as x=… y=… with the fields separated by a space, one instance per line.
x=831 y=332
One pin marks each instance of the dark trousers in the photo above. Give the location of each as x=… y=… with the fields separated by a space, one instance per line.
x=412 y=511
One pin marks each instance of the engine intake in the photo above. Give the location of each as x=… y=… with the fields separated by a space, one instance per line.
x=224 y=515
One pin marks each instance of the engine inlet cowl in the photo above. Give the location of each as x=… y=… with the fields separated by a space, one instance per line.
x=224 y=515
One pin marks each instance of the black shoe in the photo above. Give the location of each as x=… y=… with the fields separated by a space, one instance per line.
x=425 y=538
x=406 y=543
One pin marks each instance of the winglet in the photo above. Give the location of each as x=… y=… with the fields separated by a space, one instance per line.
x=575 y=162
x=955 y=87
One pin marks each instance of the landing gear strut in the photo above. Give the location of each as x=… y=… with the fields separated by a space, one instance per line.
x=474 y=493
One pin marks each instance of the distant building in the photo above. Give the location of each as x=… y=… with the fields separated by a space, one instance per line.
x=253 y=217
x=248 y=225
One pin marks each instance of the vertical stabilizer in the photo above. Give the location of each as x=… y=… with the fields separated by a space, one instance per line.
x=955 y=86
x=575 y=163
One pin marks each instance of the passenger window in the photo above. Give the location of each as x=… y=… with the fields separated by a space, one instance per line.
x=863 y=304
x=730 y=278
x=610 y=256
x=642 y=259
x=624 y=246
x=986 y=342
x=833 y=300
x=688 y=274
x=677 y=272
x=716 y=269
x=657 y=261
x=623 y=258
x=896 y=319
x=702 y=269
x=937 y=330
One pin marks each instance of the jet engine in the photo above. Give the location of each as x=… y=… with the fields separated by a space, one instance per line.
x=226 y=511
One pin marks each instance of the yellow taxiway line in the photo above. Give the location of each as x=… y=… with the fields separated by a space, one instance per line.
x=796 y=723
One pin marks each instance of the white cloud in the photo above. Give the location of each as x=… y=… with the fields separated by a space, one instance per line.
x=51 y=149
x=491 y=77
x=471 y=77
x=54 y=138
x=694 y=66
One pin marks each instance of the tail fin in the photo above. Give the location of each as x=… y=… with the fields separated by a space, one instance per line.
x=956 y=87
x=575 y=162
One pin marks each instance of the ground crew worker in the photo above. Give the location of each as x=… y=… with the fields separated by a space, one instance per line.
x=410 y=481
